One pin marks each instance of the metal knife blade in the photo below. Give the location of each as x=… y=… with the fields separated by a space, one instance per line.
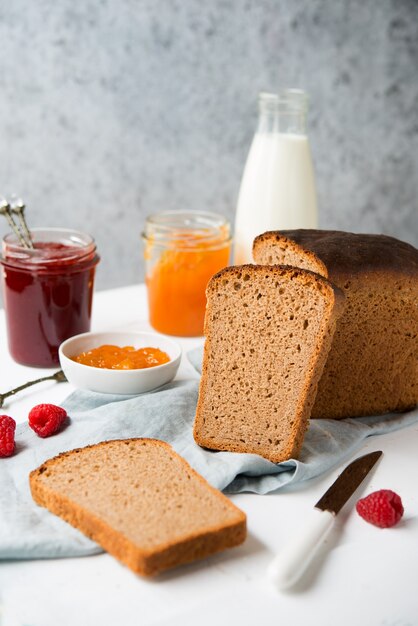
x=287 y=567
x=347 y=482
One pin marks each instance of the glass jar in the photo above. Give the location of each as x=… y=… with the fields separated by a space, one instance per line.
x=47 y=291
x=278 y=190
x=182 y=251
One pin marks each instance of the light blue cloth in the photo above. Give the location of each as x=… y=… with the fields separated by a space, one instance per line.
x=29 y=531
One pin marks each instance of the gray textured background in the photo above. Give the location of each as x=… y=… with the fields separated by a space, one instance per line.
x=113 y=110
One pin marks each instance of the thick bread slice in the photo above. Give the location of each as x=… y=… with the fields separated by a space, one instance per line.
x=272 y=245
x=268 y=332
x=140 y=501
x=372 y=367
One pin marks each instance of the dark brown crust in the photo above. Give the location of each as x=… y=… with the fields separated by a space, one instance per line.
x=346 y=254
x=146 y=563
x=307 y=398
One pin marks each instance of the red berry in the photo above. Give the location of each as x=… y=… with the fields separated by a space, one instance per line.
x=382 y=508
x=46 y=419
x=7 y=435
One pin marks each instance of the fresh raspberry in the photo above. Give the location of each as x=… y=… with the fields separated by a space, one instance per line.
x=7 y=435
x=46 y=419
x=382 y=508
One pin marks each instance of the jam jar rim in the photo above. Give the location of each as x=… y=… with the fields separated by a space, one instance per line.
x=74 y=258
x=212 y=233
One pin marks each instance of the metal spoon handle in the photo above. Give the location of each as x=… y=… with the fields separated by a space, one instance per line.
x=19 y=210
x=59 y=376
x=7 y=212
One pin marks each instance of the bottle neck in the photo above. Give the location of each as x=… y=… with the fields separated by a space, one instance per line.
x=284 y=112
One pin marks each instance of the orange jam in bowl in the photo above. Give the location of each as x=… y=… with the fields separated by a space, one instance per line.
x=126 y=358
x=182 y=251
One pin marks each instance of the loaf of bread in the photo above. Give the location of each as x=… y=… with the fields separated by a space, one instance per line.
x=268 y=332
x=141 y=502
x=372 y=367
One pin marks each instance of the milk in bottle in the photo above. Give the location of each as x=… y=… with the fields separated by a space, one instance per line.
x=278 y=185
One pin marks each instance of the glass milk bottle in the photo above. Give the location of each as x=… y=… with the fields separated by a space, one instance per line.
x=278 y=185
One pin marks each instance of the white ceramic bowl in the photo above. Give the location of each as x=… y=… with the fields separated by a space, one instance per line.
x=118 y=381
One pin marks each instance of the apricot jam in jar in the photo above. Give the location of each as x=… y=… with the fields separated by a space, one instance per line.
x=47 y=292
x=183 y=249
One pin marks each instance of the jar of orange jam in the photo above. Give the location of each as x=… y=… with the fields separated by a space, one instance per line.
x=183 y=249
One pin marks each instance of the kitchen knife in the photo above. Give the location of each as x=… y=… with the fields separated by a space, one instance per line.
x=292 y=561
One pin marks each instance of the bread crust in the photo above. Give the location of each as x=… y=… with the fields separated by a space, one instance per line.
x=151 y=562
x=279 y=238
x=341 y=255
x=318 y=357
x=372 y=367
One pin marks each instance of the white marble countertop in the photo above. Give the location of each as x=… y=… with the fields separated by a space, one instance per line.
x=362 y=575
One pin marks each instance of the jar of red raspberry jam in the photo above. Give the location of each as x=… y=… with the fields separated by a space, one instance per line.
x=47 y=292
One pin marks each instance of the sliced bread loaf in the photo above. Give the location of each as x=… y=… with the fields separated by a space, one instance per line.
x=268 y=332
x=372 y=367
x=140 y=501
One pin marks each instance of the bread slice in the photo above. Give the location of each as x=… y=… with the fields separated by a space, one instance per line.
x=372 y=367
x=268 y=332
x=140 y=501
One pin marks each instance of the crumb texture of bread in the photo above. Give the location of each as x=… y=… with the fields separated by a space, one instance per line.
x=372 y=368
x=268 y=332
x=141 y=502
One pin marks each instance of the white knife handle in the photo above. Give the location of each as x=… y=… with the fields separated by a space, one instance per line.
x=291 y=562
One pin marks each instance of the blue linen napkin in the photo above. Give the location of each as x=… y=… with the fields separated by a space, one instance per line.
x=29 y=531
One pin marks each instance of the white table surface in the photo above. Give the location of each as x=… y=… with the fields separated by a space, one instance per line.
x=362 y=576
